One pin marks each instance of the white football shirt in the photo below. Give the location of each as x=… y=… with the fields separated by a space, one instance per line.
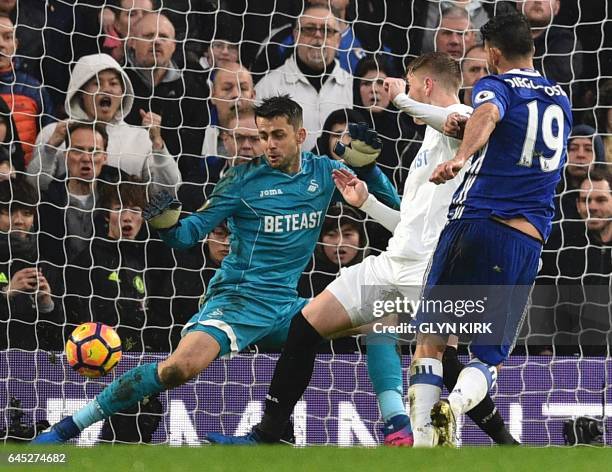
x=424 y=207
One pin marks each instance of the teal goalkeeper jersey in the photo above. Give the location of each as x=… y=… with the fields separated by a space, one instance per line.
x=275 y=220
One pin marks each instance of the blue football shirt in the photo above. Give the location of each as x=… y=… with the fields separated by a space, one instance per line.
x=516 y=173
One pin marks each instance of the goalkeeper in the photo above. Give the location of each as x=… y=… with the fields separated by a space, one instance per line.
x=275 y=206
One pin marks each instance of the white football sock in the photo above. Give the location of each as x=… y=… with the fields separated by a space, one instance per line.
x=474 y=382
x=424 y=392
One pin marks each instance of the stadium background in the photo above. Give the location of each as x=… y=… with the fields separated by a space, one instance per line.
x=544 y=384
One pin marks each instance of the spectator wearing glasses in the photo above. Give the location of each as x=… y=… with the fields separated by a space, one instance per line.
x=67 y=208
x=312 y=76
x=275 y=49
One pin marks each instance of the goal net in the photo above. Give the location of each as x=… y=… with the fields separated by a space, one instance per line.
x=97 y=261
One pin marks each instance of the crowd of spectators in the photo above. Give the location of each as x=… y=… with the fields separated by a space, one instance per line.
x=104 y=103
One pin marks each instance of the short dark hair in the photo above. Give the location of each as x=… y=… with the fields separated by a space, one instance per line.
x=343 y=115
x=281 y=105
x=442 y=65
x=336 y=217
x=96 y=126
x=18 y=193
x=131 y=191
x=369 y=63
x=598 y=173
x=511 y=33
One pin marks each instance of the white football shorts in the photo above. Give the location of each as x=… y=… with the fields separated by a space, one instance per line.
x=362 y=289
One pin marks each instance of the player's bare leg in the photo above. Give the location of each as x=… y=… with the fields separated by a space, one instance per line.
x=386 y=376
x=327 y=315
x=425 y=387
x=193 y=354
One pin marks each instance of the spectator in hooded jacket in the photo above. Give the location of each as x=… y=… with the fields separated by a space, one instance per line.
x=101 y=91
x=30 y=312
x=29 y=101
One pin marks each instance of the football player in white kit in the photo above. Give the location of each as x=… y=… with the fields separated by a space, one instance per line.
x=351 y=300
x=434 y=80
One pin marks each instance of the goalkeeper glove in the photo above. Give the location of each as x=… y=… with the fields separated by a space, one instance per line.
x=365 y=146
x=163 y=211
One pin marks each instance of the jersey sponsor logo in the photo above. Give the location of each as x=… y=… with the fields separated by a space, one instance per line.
x=483 y=96
x=270 y=192
x=292 y=222
x=313 y=187
x=523 y=82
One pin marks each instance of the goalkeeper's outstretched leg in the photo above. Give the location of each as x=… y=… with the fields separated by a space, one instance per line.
x=193 y=354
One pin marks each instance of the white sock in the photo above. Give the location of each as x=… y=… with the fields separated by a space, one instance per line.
x=424 y=392
x=474 y=382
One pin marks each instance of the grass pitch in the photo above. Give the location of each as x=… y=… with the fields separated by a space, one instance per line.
x=284 y=458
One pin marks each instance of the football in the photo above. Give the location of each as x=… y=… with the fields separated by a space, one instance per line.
x=93 y=349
